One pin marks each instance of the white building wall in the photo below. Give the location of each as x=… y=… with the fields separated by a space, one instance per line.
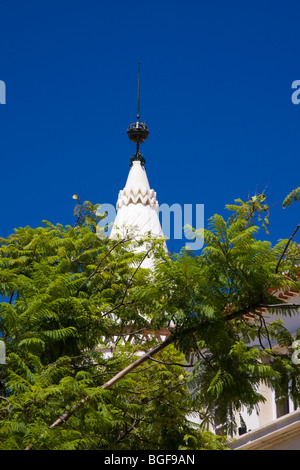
x=265 y=430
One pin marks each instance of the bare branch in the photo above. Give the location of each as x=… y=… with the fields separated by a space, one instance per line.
x=251 y=309
x=286 y=247
x=292 y=280
x=171 y=363
x=138 y=362
x=65 y=416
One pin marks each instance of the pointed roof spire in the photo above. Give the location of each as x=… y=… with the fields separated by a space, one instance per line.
x=137 y=210
x=138 y=132
x=137 y=206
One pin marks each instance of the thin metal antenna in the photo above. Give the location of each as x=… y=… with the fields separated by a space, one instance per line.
x=138 y=132
x=138 y=96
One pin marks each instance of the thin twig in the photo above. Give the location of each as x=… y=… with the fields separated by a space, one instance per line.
x=292 y=280
x=171 y=363
x=252 y=309
x=263 y=324
x=286 y=247
x=127 y=287
x=124 y=240
x=11 y=297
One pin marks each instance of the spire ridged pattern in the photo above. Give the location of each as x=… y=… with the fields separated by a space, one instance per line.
x=137 y=206
x=137 y=189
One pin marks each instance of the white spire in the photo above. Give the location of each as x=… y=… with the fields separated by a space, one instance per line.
x=137 y=208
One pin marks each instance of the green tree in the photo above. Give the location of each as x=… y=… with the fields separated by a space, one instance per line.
x=66 y=290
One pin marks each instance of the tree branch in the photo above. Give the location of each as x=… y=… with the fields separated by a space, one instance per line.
x=252 y=309
x=124 y=240
x=173 y=336
x=65 y=416
x=292 y=280
x=138 y=362
x=120 y=304
x=171 y=363
x=286 y=247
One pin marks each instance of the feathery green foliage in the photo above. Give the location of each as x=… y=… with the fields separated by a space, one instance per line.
x=291 y=197
x=75 y=305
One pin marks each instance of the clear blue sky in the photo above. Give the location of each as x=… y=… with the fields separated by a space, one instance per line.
x=215 y=92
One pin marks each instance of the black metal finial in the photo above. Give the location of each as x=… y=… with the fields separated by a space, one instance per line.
x=138 y=132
